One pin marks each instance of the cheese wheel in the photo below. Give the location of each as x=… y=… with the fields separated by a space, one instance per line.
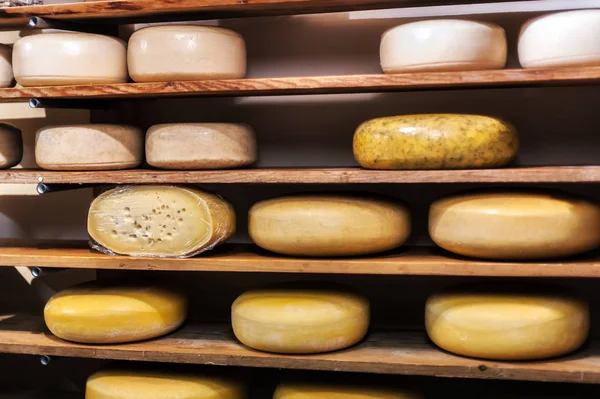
x=11 y=146
x=118 y=384
x=435 y=141
x=6 y=71
x=299 y=320
x=185 y=52
x=200 y=146
x=506 y=225
x=100 y=314
x=443 y=45
x=328 y=225
x=566 y=39
x=506 y=326
x=322 y=391
x=89 y=147
x=156 y=220
x=55 y=59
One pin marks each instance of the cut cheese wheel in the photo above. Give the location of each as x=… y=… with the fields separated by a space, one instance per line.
x=200 y=146
x=117 y=384
x=101 y=314
x=514 y=225
x=164 y=221
x=328 y=225
x=89 y=147
x=52 y=59
x=321 y=391
x=443 y=45
x=566 y=39
x=435 y=141
x=185 y=52
x=6 y=71
x=506 y=326
x=11 y=146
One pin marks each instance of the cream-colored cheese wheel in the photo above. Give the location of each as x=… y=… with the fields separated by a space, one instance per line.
x=299 y=321
x=156 y=220
x=6 y=70
x=200 y=146
x=54 y=59
x=185 y=52
x=101 y=314
x=11 y=146
x=322 y=391
x=89 y=147
x=443 y=45
x=126 y=384
x=566 y=39
x=506 y=326
x=328 y=225
x=514 y=225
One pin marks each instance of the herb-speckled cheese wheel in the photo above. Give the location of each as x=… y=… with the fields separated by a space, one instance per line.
x=566 y=39
x=157 y=385
x=156 y=220
x=435 y=141
x=185 y=52
x=100 y=314
x=52 y=59
x=506 y=326
x=514 y=225
x=443 y=45
x=328 y=225
x=6 y=70
x=11 y=146
x=299 y=321
x=200 y=146
x=321 y=391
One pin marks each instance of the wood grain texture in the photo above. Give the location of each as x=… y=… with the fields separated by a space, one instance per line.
x=316 y=84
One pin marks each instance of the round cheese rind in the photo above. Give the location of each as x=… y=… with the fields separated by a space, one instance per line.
x=6 y=70
x=565 y=39
x=200 y=146
x=185 y=52
x=443 y=45
x=11 y=146
x=506 y=225
x=435 y=141
x=299 y=321
x=328 y=225
x=116 y=384
x=99 y=314
x=54 y=59
x=159 y=220
x=322 y=391
x=89 y=147
x=506 y=326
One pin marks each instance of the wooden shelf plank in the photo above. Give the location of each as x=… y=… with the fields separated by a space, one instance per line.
x=316 y=84
x=398 y=352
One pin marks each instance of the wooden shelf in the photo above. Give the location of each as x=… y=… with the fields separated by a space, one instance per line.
x=316 y=84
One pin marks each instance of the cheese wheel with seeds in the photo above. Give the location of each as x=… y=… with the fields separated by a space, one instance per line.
x=324 y=391
x=159 y=220
x=11 y=146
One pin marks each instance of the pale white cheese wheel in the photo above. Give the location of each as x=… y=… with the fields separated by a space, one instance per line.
x=6 y=70
x=185 y=52
x=89 y=147
x=54 y=59
x=443 y=45
x=566 y=39
x=200 y=145
x=11 y=146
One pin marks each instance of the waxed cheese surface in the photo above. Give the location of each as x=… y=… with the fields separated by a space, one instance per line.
x=322 y=391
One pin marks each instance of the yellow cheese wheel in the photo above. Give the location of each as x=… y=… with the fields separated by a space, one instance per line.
x=6 y=70
x=328 y=225
x=156 y=220
x=512 y=225
x=117 y=384
x=11 y=146
x=101 y=314
x=435 y=141
x=299 y=320
x=506 y=326
x=322 y=391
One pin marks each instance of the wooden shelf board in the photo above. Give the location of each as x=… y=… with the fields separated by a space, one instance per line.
x=316 y=84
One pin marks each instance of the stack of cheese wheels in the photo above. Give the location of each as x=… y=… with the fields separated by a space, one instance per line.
x=515 y=225
x=125 y=384
x=269 y=320
x=100 y=313
x=6 y=70
x=443 y=45
x=185 y=52
x=52 y=59
x=323 y=391
x=200 y=146
x=11 y=146
x=435 y=141
x=89 y=147
x=503 y=324
x=156 y=220
x=566 y=39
